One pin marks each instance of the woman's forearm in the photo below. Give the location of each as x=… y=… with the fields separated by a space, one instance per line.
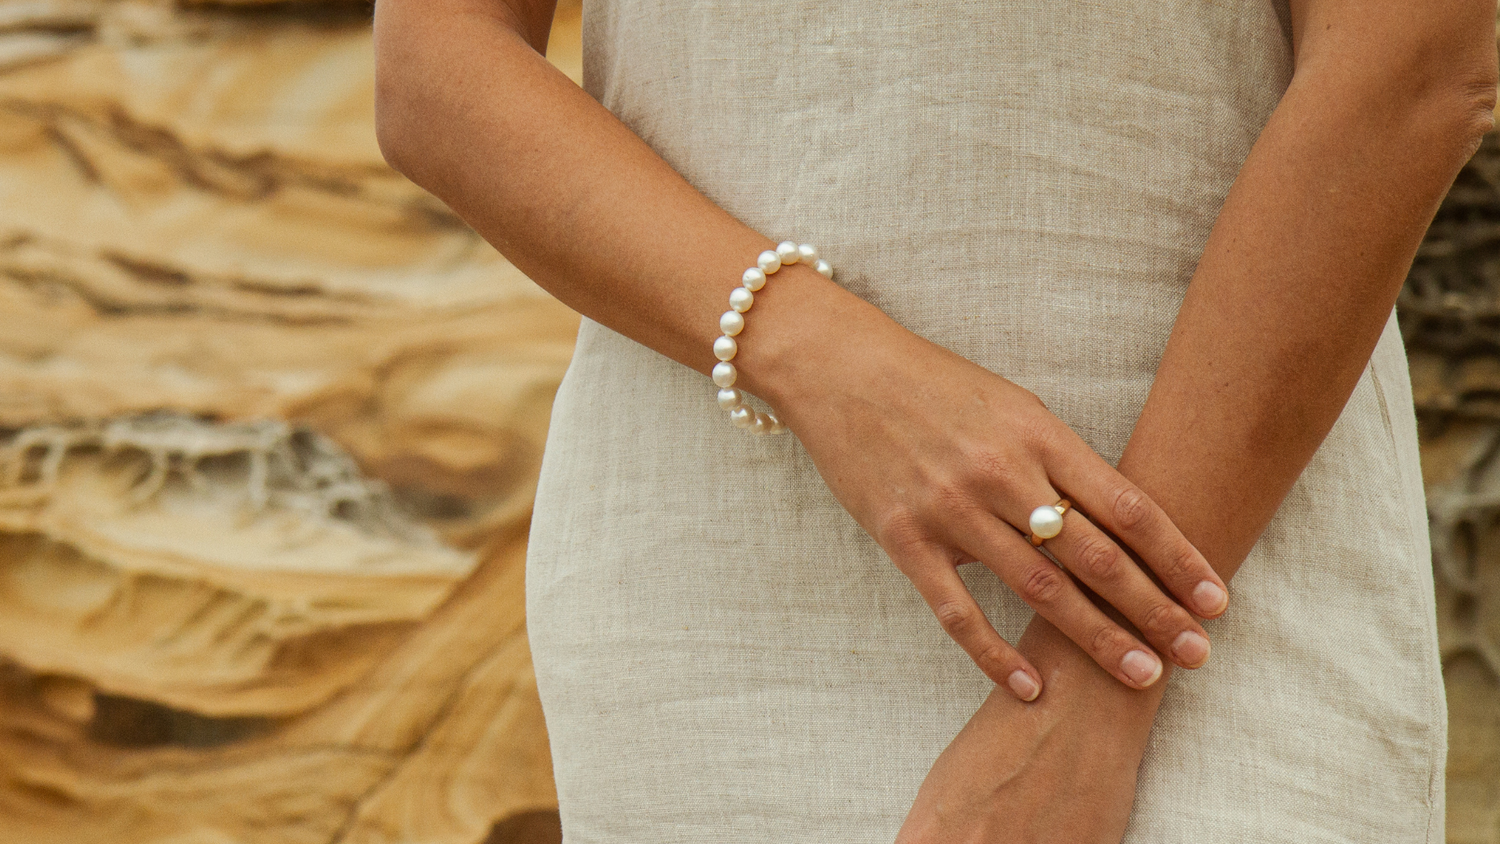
x=1304 y=263
x=467 y=107
x=1301 y=271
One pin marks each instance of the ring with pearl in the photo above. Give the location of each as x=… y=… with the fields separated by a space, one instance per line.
x=1047 y=522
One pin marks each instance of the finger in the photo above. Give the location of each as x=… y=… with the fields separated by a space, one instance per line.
x=1091 y=556
x=1114 y=503
x=1055 y=597
x=937 y=580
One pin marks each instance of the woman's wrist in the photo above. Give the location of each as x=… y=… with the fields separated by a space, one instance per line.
x=806 y=330
x=1071 y=678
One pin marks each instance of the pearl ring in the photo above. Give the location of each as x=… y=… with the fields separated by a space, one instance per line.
x=1047 y=522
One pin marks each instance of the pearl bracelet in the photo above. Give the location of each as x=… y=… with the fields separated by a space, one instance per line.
x=733 y=322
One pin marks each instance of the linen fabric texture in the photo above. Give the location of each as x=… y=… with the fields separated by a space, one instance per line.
x=725 y=656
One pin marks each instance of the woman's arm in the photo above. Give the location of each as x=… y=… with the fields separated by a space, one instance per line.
x=940 y=460
x=1387 y=102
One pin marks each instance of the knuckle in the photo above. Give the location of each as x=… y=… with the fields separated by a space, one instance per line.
x=1105 y=640
x=1038 y=431
x=1131 y=508
x=992 y=660
x=899 y=528
x=1028 y=397
x=1042 y=584
x=995 y=468
x=1163 y=619
x=956 y=617
x=1098 y=557
x=1180 y=564
x=951 y=495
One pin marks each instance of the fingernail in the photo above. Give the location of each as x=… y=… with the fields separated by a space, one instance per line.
x=1025 y=688
x=1190 y=649
x=1210 y=598
x=1141 y=667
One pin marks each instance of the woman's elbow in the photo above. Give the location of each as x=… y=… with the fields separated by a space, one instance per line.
x=394 y=124
x=400 y=57
x=1429 y=77
x=1473 y=104
x=1458 y=88
x=1440 y=109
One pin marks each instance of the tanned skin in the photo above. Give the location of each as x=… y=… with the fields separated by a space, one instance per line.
x=1388 y=99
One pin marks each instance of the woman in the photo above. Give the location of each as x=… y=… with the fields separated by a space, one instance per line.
x=1166 y=234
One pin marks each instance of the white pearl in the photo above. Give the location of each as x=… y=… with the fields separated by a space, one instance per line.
x=769 y=262
x=724 y=375
x=808 y=253
x=1046 y=522
x=761 y=426
x=742 y=417
x=824 y=268
x=725 y=347
x=777 y=426
x=754 y=278
x=787 y=252
x=731 y=398
x=731 y=323
x=741 y=299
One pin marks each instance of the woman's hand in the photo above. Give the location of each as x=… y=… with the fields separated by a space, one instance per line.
x=940 y=460
x=1060 y=771
x=943 y=461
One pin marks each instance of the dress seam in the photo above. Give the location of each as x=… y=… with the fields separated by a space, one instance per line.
x=1435 y=752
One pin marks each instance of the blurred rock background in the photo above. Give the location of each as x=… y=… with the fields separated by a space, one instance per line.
x=270 y=419
x=1450 y=318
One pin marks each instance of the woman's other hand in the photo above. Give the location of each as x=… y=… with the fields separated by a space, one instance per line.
x=942 y=462
x=1061 y=771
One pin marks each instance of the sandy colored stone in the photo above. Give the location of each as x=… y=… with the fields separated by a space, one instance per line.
x=97 y=185
x=449 y=406
x=565 y=47
x=443 y=736
x=147 y=558
x=196 y=226
x=1474 y=757
x=1462 y=472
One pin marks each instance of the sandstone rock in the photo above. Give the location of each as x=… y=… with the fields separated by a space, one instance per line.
x=270 y=419
x=444 y=738
x=222 y=569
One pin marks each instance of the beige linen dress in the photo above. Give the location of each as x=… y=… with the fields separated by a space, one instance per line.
x=725 y=656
